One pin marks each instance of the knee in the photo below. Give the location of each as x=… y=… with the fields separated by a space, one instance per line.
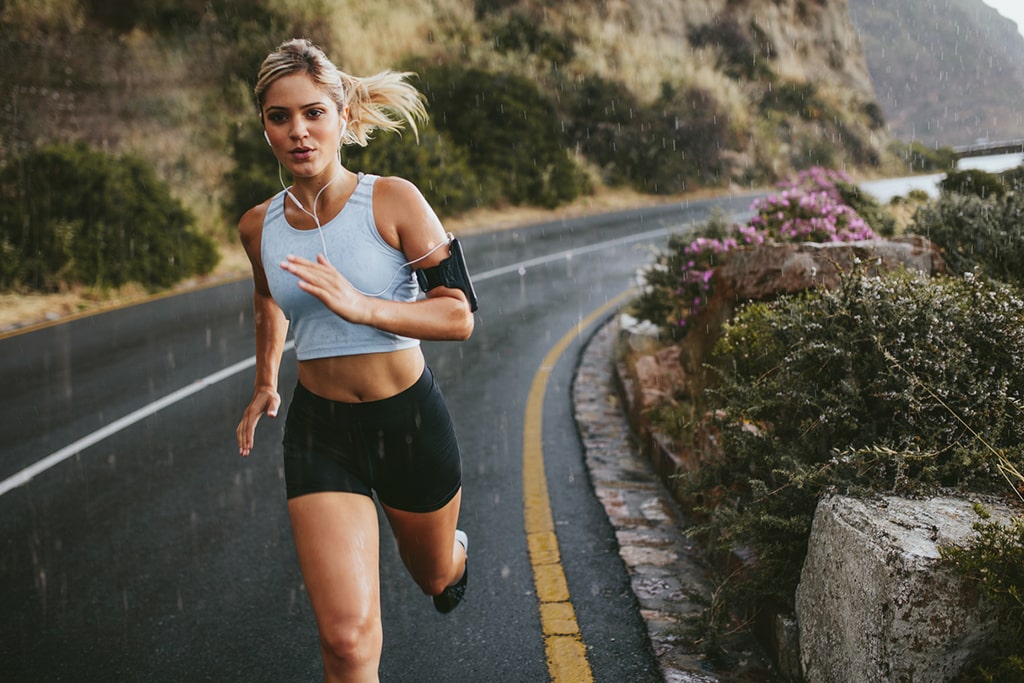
x=352 y=645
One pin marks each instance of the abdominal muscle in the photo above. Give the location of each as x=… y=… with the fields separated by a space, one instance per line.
x=361 y=378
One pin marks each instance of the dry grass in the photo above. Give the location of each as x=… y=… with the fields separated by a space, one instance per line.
x=23 y=311
x=371 y=37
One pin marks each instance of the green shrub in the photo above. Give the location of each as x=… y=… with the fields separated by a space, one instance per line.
x=793 y=97
x=973 y=181
x=665 y=147
x=921 y=158
x=601 y=116
x=887 y=384
x=1013 y=179
x=436 y=165
x=519 y=32
x=254 y=176
x=740 y=55
x=994 y=562
x=484 y=8
x=510 y=132
x=977 y=233
x=73 y=215
x=677 y=143
x=170 y=16
x=875 y=115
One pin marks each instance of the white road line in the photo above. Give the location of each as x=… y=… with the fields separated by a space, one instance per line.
x=25 y=475
x=569 y=253
x=114 y=427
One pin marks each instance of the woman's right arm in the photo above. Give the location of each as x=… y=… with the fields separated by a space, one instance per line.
x=271 y=330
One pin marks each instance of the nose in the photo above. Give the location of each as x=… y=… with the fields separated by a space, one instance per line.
x=298 y=130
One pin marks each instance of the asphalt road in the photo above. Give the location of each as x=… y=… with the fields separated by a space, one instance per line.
x=143 y=548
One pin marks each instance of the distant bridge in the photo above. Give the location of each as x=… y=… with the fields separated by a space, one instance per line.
x=989 y=148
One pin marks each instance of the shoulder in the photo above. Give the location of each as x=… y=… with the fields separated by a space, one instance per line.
x=390 y=189
x=397 y=200
x=250 y=233
x=399 y=207
x=250 y=226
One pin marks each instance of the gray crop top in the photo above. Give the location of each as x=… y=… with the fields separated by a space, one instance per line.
x=356 y=249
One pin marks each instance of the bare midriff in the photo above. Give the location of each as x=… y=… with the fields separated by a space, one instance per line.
x=361 y=378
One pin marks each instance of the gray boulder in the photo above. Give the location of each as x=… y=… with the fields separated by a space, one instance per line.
x=875 y=604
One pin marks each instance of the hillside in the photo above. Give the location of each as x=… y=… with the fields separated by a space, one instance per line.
x=946 y=72
x=699 y=92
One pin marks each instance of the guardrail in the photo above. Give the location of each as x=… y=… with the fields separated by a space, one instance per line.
x=989 y=147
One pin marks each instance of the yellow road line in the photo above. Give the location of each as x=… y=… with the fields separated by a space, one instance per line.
x=563 y=643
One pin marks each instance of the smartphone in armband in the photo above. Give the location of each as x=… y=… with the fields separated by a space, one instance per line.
x=452 y=272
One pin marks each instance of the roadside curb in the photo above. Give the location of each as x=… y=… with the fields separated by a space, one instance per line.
x=671 y=584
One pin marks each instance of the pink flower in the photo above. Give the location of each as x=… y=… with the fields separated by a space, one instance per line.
x=807 y=208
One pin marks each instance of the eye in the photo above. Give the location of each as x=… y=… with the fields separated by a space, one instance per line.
x=315 y=113
x=277 y=117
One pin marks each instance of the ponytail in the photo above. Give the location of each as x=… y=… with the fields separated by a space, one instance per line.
x=385 y=101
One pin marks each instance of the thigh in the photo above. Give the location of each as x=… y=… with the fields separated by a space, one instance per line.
x=336 y=538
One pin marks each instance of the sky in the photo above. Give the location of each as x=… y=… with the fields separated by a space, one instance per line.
x=1011 y=9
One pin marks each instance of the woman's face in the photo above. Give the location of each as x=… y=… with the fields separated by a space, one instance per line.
x=302 y=124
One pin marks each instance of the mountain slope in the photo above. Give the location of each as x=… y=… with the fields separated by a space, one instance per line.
x=946 y=72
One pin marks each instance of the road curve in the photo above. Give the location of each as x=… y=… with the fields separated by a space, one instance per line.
x=150 y=551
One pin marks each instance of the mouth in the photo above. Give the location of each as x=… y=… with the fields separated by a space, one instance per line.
x=301 y=153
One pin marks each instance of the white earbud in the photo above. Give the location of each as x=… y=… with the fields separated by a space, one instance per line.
x=267 y=137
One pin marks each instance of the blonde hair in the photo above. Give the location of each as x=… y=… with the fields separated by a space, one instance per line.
x=385 y=101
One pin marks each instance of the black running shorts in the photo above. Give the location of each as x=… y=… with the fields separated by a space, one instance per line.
x=403 y=447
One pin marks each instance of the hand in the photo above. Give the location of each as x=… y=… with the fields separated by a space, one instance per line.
x=265 y=401
x=323 y=281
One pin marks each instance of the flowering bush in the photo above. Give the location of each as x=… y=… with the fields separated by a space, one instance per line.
x=695 y=278
x=809 y=208
x=800 y=216
x=816 y=178
x=679 y=282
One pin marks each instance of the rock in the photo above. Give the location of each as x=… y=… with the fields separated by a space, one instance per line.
x=874 y=604
x=659 y=377
x=771 y=270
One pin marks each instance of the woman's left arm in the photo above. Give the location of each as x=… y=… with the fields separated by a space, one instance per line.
x=406 y=221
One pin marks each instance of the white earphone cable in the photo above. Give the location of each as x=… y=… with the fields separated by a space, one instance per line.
x=323 y=242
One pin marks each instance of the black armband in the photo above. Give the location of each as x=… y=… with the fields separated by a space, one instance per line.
x=452 y=272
